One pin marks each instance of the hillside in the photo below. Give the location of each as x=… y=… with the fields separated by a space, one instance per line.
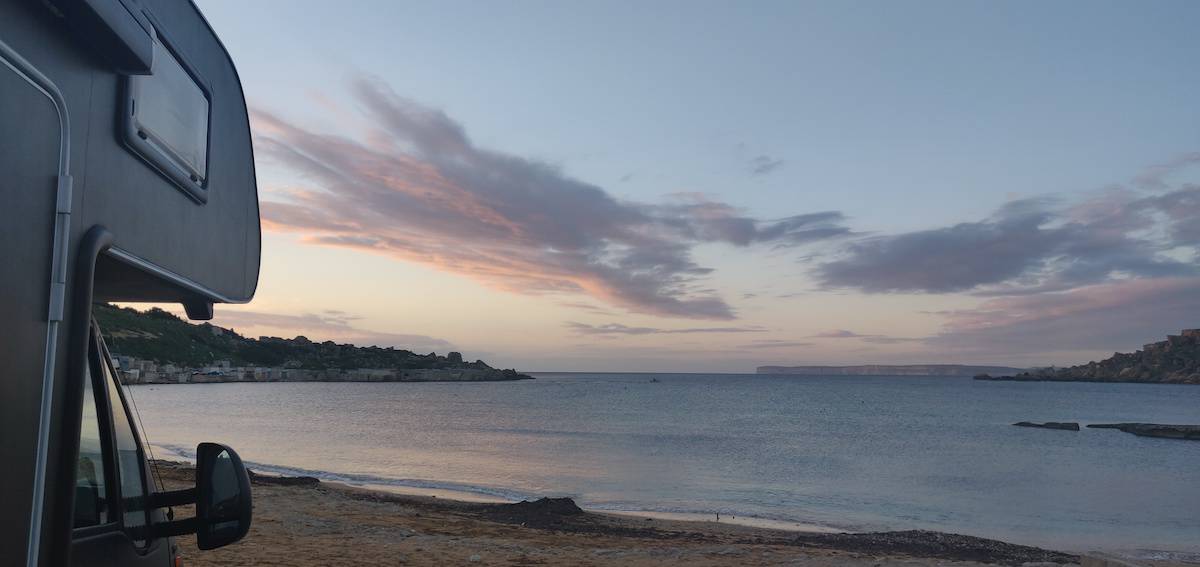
x=162 y=337
x=1173 y=361
x=887 y=370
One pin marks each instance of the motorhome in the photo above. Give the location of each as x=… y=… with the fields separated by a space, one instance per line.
x=128 y=176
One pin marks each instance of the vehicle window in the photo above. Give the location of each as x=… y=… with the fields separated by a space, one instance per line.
x=129 y=460
x=91 y=505
x=168 y=121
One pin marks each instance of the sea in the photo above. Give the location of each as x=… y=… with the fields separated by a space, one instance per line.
x=805 y=452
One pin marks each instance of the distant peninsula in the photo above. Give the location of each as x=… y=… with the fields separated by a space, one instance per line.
x=890 y=370
x=156 y=347
x=1173 y=361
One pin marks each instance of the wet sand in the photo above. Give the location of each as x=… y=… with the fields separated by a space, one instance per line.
x=306 y=523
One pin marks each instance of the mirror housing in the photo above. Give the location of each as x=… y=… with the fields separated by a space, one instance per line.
x=222 y=498
x=223 y=507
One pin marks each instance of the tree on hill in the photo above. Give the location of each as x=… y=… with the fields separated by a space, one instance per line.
x=162 y=336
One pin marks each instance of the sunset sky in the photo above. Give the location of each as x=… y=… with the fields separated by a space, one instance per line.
x=712 y=186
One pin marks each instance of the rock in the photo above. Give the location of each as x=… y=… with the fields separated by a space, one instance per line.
x=282 y=480
x=543 y=512
x=1065 y=426
x=1188 y=432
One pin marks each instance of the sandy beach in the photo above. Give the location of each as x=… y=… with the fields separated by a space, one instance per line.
x=302 y=522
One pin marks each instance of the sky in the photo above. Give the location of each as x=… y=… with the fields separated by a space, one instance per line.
x=711 y=186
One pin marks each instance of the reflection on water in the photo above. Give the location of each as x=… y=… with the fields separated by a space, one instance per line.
x=845 y=452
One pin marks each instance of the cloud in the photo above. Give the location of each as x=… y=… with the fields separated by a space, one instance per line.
x=874 y=339
x=328 y=325
x=339 y=314
x=1113 y=316
x=416 y=188
x=585 y=307
x=617 y=329
x=1154 y=177
x=764 y=164
x=1182 y=209
x=836 y=334
x=1030 y=246
x=1058 y=281
x=776 y=344
x=889 y=340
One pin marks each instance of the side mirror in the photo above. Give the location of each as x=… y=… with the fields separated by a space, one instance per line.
x=221 y=495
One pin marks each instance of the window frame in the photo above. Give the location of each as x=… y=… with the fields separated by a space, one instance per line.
x=148 y=489
x=161 y=161
x=104 y=418
x=98 y=359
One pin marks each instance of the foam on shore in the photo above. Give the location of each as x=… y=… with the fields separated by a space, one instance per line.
x=748 y=521
x=475 y=494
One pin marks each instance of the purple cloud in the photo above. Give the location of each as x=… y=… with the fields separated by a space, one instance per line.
x=617 y=329
x=768 y=344
x=874 y=339
x=1030 y=247
x=416 y=188
x=1113 y=316
x=764 y=164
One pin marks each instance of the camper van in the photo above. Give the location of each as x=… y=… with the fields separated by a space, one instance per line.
x=126 y=174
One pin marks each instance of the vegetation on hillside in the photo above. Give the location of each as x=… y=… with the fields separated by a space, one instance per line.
x=165 y=338
x=1173 y=361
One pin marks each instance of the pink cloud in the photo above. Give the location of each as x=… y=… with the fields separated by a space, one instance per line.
x=417 y=189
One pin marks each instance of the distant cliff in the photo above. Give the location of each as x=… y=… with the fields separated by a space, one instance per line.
x=157 y=347
x=889 y=370
x=1173 y=361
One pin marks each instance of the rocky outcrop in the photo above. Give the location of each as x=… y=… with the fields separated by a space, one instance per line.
x=1064 y=425
x=1189 y=432
x=1173 y=361
x=541 y=513
x=134 y=371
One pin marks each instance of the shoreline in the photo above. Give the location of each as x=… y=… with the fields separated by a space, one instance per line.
x=481 y=495
x=328 y=523
x=1080 y=380
x=451 y=496
x=744 y=521
x=466 y=496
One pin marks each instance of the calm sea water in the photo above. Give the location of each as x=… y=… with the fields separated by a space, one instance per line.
x=859 y=453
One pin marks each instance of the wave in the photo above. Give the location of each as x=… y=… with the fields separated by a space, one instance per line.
x=366 y=480
x=469 y=491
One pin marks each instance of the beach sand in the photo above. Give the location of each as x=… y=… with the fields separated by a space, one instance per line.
x=305 y=523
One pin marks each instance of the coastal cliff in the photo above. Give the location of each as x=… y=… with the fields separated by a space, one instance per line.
x=888 y=370
x=1173 y=361
x=156 y=347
